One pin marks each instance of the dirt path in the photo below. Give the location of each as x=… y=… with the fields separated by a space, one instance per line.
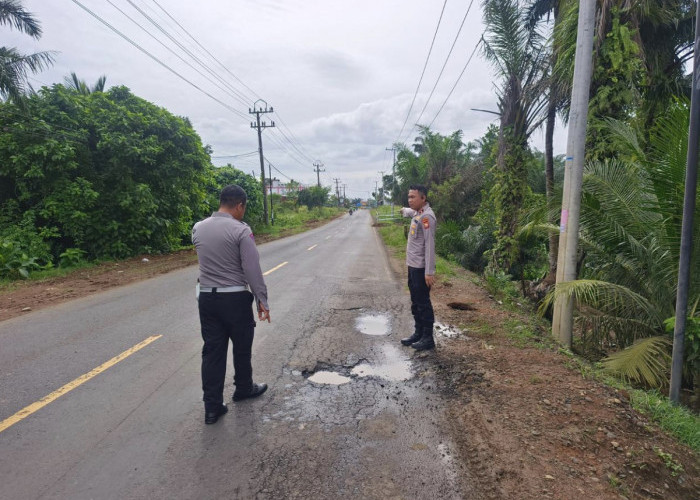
x=529 y=425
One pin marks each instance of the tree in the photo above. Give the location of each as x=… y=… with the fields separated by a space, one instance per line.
x=518 y=54
x=14 y=66
x=74 y=83
x=314 y=196
x=630 y=233
x=109 y=173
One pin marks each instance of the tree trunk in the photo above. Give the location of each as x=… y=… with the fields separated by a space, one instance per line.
x=549 y=176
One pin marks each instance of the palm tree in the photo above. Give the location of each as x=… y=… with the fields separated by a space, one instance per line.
x=78 y=85
x=519 y=55
x=630 y=233
x=14 y=66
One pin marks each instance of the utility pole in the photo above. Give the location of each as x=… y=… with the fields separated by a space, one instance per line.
x=344 y=186
x=376 y=194
x=272 y=214
x=381 y=172
x=563 y=321
x=318 y=171
x=257 y=111
x=337 y=191
x=393 y=177
x=691 y=182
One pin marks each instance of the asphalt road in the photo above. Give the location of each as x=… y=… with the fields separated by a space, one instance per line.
x=136 y=430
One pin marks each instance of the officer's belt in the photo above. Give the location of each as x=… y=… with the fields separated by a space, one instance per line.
x=223 y=289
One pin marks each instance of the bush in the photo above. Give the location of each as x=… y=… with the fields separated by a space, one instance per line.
x=71 y=257
x=14 y=262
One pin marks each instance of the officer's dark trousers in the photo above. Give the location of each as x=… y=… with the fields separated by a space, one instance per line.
x=225 y=316
x=421 y=307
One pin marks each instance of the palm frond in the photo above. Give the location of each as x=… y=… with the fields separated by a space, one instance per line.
x=647 y=361
x=15 y=68
x=12 y=13
x=606 y=298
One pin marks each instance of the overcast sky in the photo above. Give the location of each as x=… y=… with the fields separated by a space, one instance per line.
x=340 y=75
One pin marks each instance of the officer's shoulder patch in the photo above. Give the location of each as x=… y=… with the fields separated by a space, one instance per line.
x=426 y=222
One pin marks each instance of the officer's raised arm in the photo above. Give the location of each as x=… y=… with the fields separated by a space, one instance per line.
x=408 y=212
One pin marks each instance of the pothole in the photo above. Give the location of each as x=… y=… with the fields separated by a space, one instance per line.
x=461 y=306
x=396 y=367
x=373 y=324
x=447 y=331
x=329 y=378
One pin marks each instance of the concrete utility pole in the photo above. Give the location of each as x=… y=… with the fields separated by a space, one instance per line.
x=337 y=191
x=381 y=172
x=257 y=111
x=318 y=171
x=563 y=321
x=376 y=194
x=393 y=178
x=272 y=214
x=344 y=186
x=691 y=182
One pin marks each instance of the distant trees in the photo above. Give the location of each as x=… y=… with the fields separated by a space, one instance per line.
x=314 y=196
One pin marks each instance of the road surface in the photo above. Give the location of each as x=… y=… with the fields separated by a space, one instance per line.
x=134 y=428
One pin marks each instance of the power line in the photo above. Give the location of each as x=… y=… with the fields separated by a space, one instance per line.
x=443 y=66
x=423 y=72
x=239 y=96
x=236 y=156
x=458 y=79
x=176 y=54
x=205 y=50
x=136 y=45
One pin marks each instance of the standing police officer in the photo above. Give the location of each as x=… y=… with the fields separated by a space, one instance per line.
x=420 y=258
x=229 y=264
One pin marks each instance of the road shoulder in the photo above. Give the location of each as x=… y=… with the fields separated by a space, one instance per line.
x=528 y=421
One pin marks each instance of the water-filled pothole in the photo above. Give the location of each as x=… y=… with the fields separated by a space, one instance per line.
x=329 y=378
x=373 y=324
x=395 y=366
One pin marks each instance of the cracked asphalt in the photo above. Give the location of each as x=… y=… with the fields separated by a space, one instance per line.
x=136 y=430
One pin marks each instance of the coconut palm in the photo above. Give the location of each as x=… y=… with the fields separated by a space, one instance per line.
x=78 y=85
x=520 y=58
x=14 y=66
x=630 y=237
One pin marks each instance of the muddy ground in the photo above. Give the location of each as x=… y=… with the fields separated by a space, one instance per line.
x=528 y=424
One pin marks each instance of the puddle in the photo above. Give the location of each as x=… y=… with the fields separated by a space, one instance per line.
x=329 y=378
x=447 y=331
x=373 y=324
x=395 y=367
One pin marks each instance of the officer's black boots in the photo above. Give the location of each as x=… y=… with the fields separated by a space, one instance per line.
x=426 y=341
x=413 y=338
x=255 y=391
x=211 y=417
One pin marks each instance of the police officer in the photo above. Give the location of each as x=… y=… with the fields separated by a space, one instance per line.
x=420 y=258
x=230 y=278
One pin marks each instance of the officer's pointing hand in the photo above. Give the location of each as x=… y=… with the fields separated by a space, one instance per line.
x=263 y=314
x=429 y=280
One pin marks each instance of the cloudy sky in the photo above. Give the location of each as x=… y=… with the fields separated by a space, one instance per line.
x=340 y=75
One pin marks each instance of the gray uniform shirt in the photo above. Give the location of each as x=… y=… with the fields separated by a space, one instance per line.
x=420 y=249
x=227 y=255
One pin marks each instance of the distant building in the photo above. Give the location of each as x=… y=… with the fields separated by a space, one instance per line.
x=280 y=188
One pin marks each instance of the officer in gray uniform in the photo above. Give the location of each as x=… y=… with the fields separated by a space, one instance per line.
x=420 y=258
x=230 y=279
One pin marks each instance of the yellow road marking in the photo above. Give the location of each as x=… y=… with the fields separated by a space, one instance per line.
x=34 y=407
x=275 y=268
x=311 y=247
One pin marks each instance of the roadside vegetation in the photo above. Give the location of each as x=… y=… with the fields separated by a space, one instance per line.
x=498 y=200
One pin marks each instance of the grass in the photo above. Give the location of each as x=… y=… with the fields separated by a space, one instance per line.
x=291 y=221
x=677 y=420
x=7 y=284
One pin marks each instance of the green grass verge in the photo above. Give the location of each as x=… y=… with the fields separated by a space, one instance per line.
x=7 y=284
x=294 y=221
x=677 y=420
